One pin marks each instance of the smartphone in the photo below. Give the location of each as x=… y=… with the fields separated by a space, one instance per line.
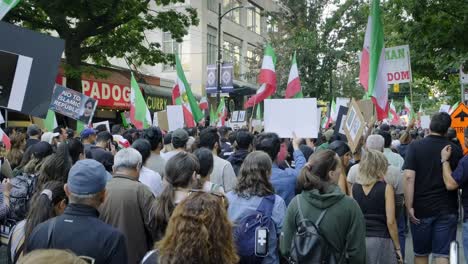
x=261 y=241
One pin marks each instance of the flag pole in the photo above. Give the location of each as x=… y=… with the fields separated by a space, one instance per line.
x=253 y=111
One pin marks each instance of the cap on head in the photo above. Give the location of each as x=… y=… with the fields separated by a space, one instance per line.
x=87 y=132
x=41 y=150
x=87 y=177
x=180 y=134
x=49 y=136
x=33 y=130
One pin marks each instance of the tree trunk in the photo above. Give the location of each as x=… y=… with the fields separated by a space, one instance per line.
x=73 y=60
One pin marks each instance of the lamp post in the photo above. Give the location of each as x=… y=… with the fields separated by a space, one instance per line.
x=220 y=18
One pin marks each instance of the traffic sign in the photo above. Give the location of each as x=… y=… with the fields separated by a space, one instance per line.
x=459 y=123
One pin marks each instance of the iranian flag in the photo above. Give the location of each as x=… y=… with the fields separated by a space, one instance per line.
x=182 y=95
x=392 y=115
x=213 y=117
x=221 y=113
x=408 y=108
x=372 y=73
x=293 y=90
x=203 y=103
x=453 y=108
x=5 y=139
x=140 y=115
x=7 y=5
x=266 y=78
x=50 y=122
x=332 y=114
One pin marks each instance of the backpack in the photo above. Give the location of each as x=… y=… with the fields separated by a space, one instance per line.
x=22 y=189
x=244 y=231
x=308 y=245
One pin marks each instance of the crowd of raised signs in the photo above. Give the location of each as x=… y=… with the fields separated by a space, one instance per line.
x=214 y=195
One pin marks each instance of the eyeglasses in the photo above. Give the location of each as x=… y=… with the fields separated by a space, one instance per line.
x=217 y=194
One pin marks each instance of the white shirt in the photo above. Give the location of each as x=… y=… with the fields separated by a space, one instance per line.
x=223 y=174
x=168 y=155
x=151 y=179
x=393 y=158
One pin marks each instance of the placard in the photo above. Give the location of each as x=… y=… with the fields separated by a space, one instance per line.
x=162 y=120
x=155 y=119
x=285 y=116
x=425 y=121
x=340 y=121
x=398 y=64
x=102 y=123
x=367 y=108
x=234 y=116
x=28 y=65
x=444 y=108
x=175 y=117
x=241 y=117
x=73 y=104
x=354 y=125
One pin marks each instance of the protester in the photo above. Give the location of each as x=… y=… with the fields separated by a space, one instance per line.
x=202 y=215
x=284 y=181
x=181 y=171
x=155 y=162
x=452 y=136
x=128 y=204
x=205 y=158
x=243 y=145
x=15 y=154
x=252 y=189
x=88 y=138
x=167 y=141
x=103 y=150
x=393 y=158
x=148 y=177
x=458 y=179
x=225 y=147
x=223 y=173
x=343 y=223
x=76 y=150
x=5 y=168
x=405 y=140
x=34 y=135
x=52 y=256
x=327 y=136
x=56 y=166
x=79 y=229
x=179 y=140
x=432 y=209
x=39 y=152
x=101 y=128
x=48 y=203
x=377 y=202
x=51 y=138
x=62 y=134
x=344 y=152
x=117 y=130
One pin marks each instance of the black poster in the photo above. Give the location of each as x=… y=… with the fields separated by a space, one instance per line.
x=340 y=120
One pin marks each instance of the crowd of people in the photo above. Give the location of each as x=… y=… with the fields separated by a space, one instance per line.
x=214 y=195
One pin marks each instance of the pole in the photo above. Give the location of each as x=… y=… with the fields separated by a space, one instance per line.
x=462 y=92
x=6 y=117
x=218 y=92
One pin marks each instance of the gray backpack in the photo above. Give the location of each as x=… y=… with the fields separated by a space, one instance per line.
x=22 y=189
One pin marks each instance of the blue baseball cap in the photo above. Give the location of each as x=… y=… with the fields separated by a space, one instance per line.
x=87 y=177
x=87 y=132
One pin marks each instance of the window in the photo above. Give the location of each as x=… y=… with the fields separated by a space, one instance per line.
x=271 y=25
x=213 y=5
x=251 y=63
x=232 y=53
x=254 y=20
x=234 y=15
x=212 y=45
x=170 y=46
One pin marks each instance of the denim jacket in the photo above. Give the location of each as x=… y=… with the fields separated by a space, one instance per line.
x=284 y=181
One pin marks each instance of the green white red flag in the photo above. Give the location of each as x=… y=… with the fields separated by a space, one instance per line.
x=453 y=108
x=7 y=5
x=392 y=114
x=140 y=115
x=409 y=108
x=213 y=117
x=221 y=113
x=50 y=122
x=203 y=103
x=293 y=90
x=5 y=139
x=266 y=78
x=182 y=95
x=372 y=75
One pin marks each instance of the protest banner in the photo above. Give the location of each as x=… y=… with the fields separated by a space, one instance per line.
x=398 y=64
x=425 y=121
x=444 y=108
x=162 y=120
x=459 y=123
x=175 y=117
x=367 y=109
x=339 y=126
x=73 y=104
x=285 y=116
x=106 y=123
x=354 y=125
x=28 y=65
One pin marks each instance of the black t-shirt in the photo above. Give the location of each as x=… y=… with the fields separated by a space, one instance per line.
x=430 y=195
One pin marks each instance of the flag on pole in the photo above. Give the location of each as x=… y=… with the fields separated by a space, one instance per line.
x=324 y=122
x=182 y=95
x=7 y=5
x=293 y=90
x=213 y=117
x=5 y=139
x=140 y=115
x=331 y=114
x=203 y=103
x=266 y=78
x=372 y=74
x=50 y=122
x=453 y=108
x=409 y=108
x=221 y=113
x=392 y=115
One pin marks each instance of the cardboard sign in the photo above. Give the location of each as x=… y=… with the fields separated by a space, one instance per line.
x=175 y=117
x=340 y=121
x=102 y=123
x=285 y=116
x=162 y=121
x=460 y=122
x=367 y=108
x=425 y=122
x=73 y=104
x=28 y=64
x=354 y=125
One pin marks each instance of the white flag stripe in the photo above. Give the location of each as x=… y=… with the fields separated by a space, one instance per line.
x=20 y=83
x=381 y=94
x=268 y=64
x=293 y=74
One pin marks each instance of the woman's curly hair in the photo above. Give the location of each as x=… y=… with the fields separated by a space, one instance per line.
x=199 y=231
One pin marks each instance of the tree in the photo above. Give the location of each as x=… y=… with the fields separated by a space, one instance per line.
x=98 y=30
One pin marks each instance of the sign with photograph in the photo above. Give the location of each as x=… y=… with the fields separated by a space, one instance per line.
x=73 y=104
x=354 y=125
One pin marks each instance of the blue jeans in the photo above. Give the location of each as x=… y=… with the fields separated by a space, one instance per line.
x=402 y=225
x=434 y=235
x=465 y=241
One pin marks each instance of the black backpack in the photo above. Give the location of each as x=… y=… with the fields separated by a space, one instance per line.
x=22 y=190
x=308 y=245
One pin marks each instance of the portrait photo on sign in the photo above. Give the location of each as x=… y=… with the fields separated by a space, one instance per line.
x=350 y=119
x=87 y=110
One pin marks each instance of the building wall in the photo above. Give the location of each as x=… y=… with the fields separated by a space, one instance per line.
x=194 y=48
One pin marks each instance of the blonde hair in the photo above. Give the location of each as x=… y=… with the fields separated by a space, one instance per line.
x=372 y=167
x=45 y=256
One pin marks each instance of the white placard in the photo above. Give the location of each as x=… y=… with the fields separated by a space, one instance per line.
x=340 y=101
x=102 y=123
x=398 y=64
x=175 y=117
x=234 y=116
x=285 y=116
x=425 y=121
x=444 y=108
x=155 y=119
